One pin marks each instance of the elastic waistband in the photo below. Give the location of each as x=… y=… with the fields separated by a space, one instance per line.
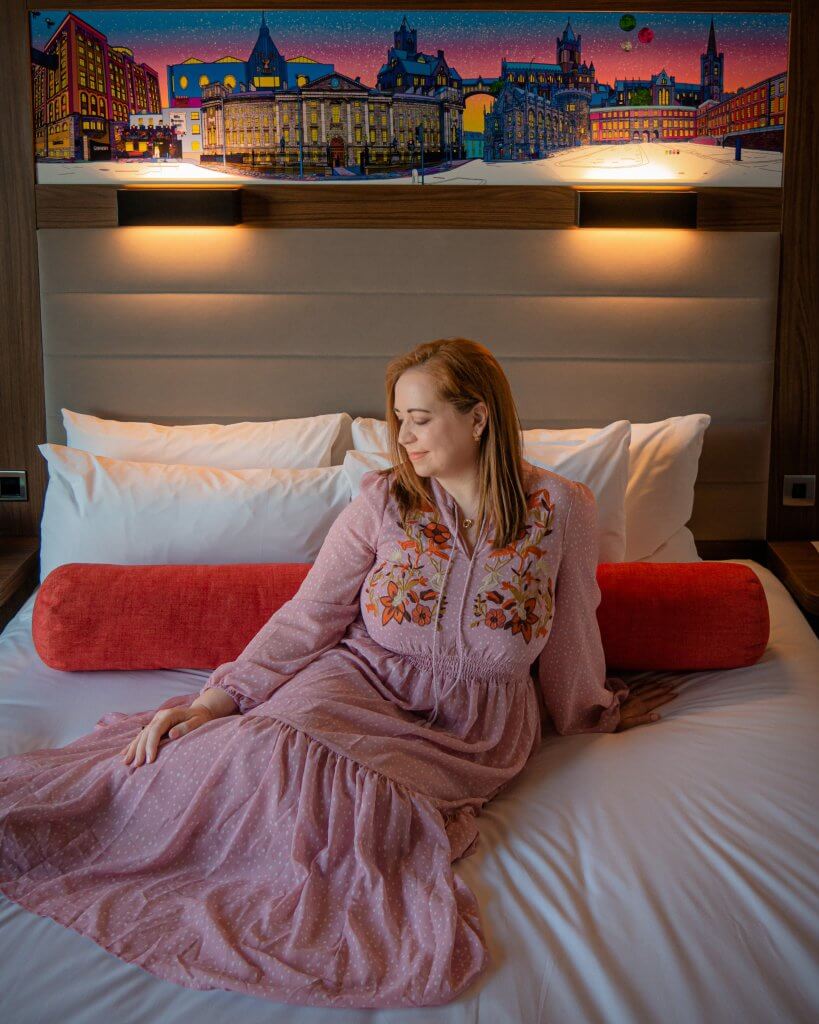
x=471 y=666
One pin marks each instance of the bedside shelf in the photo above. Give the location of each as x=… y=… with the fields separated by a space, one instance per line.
x=19 y=560
x=796 y=563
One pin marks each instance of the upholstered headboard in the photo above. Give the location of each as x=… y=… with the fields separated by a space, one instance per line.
x=218 y=325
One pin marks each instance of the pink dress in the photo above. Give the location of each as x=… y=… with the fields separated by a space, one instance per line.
x=302 y=849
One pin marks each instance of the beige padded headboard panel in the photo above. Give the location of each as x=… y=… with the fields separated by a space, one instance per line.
x=218 y=325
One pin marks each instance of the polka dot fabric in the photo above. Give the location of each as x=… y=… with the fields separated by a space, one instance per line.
x=302 y=849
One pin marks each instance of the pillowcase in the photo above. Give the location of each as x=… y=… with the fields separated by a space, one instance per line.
x=89 y=617
x=680 y=547
x=369 y=435
x=287 y=444
x=663 y=463
x=600 y=461
x=108 y=510
x=681 y=618
x=712 y=615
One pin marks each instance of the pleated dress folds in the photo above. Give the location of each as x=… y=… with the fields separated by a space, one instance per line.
x=302 y=849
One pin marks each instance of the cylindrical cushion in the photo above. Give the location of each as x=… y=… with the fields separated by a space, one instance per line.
x=681 y=616
x=663 y=616
x=98 y=616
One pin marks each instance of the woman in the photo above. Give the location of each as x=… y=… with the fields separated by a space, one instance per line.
x=289 y=831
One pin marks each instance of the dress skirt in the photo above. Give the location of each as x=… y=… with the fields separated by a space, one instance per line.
x=262 y=852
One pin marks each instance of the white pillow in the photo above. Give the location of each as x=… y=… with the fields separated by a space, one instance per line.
x=663 y=463
x=287 y=444
x=600 y=461
x=369 y=435
x=680 y=547
x=148 y=513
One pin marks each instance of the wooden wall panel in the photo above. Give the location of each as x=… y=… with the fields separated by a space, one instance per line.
x=795 y=420
x=22 y=406
x=362 y=206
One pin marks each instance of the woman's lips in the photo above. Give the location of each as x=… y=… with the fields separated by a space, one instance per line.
x=417 y=455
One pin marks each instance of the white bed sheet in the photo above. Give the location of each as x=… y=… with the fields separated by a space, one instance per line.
x=668 y=873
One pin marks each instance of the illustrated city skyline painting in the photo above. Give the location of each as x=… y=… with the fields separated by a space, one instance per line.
x=416 y=97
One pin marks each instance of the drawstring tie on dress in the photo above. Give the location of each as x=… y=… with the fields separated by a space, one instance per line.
x=458 y=638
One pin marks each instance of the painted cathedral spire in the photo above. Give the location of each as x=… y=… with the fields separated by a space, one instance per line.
x=712 y=40
x=266 y=68
x=712 y=68
x=568 y=48
x=406 y=38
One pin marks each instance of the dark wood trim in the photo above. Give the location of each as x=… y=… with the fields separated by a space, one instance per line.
x=739 y=209
x=408 y=206
x=95 y=206
x=22 y=400
x=719 y=549
x=795 y=413
x=677 y=6
x=521 y=207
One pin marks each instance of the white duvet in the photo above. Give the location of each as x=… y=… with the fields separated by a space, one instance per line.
x=669 y=873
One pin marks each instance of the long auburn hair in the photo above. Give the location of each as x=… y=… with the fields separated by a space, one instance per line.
x=465 y=372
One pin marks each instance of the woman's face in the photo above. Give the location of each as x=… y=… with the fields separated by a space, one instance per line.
x=438 y=439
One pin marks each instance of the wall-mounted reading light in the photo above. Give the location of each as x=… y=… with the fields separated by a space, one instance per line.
x=153 y=205
x=643 y=208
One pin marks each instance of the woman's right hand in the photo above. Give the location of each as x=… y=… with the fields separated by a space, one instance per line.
x=173 y=721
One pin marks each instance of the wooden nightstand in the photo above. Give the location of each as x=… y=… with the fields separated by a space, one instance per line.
x=796 y=563
x=19 y=573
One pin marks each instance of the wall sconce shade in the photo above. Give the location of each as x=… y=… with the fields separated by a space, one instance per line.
x=138 y=207
x=609 y=208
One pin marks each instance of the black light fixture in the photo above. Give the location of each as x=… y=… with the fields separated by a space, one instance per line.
x=636 y=208
x=176 y=207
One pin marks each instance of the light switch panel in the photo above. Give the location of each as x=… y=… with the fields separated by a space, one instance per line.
x=13 y=485
x=799 y=490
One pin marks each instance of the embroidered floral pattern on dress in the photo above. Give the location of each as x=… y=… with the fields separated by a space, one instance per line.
x=413 y=572
x=517 y=592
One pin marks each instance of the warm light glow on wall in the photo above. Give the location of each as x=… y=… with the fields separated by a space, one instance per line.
x=175 y=251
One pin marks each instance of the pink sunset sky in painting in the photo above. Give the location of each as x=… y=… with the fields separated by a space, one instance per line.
x=474 y=42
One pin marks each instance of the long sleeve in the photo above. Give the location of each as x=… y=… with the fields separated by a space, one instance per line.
x=317 y=616
x=570 y=671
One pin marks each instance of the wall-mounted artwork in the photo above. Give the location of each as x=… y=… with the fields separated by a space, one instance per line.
x=427 y=97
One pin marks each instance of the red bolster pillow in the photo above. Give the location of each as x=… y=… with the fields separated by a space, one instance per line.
x=97 y=616
x=681 y=616
x=671 y=615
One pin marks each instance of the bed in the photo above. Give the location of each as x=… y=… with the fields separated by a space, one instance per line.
x=666 y=874
x=663 y=874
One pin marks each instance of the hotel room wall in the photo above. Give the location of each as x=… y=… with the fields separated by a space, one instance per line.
x=219 y=325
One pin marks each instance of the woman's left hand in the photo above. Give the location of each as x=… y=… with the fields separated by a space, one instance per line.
x=637 y=707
